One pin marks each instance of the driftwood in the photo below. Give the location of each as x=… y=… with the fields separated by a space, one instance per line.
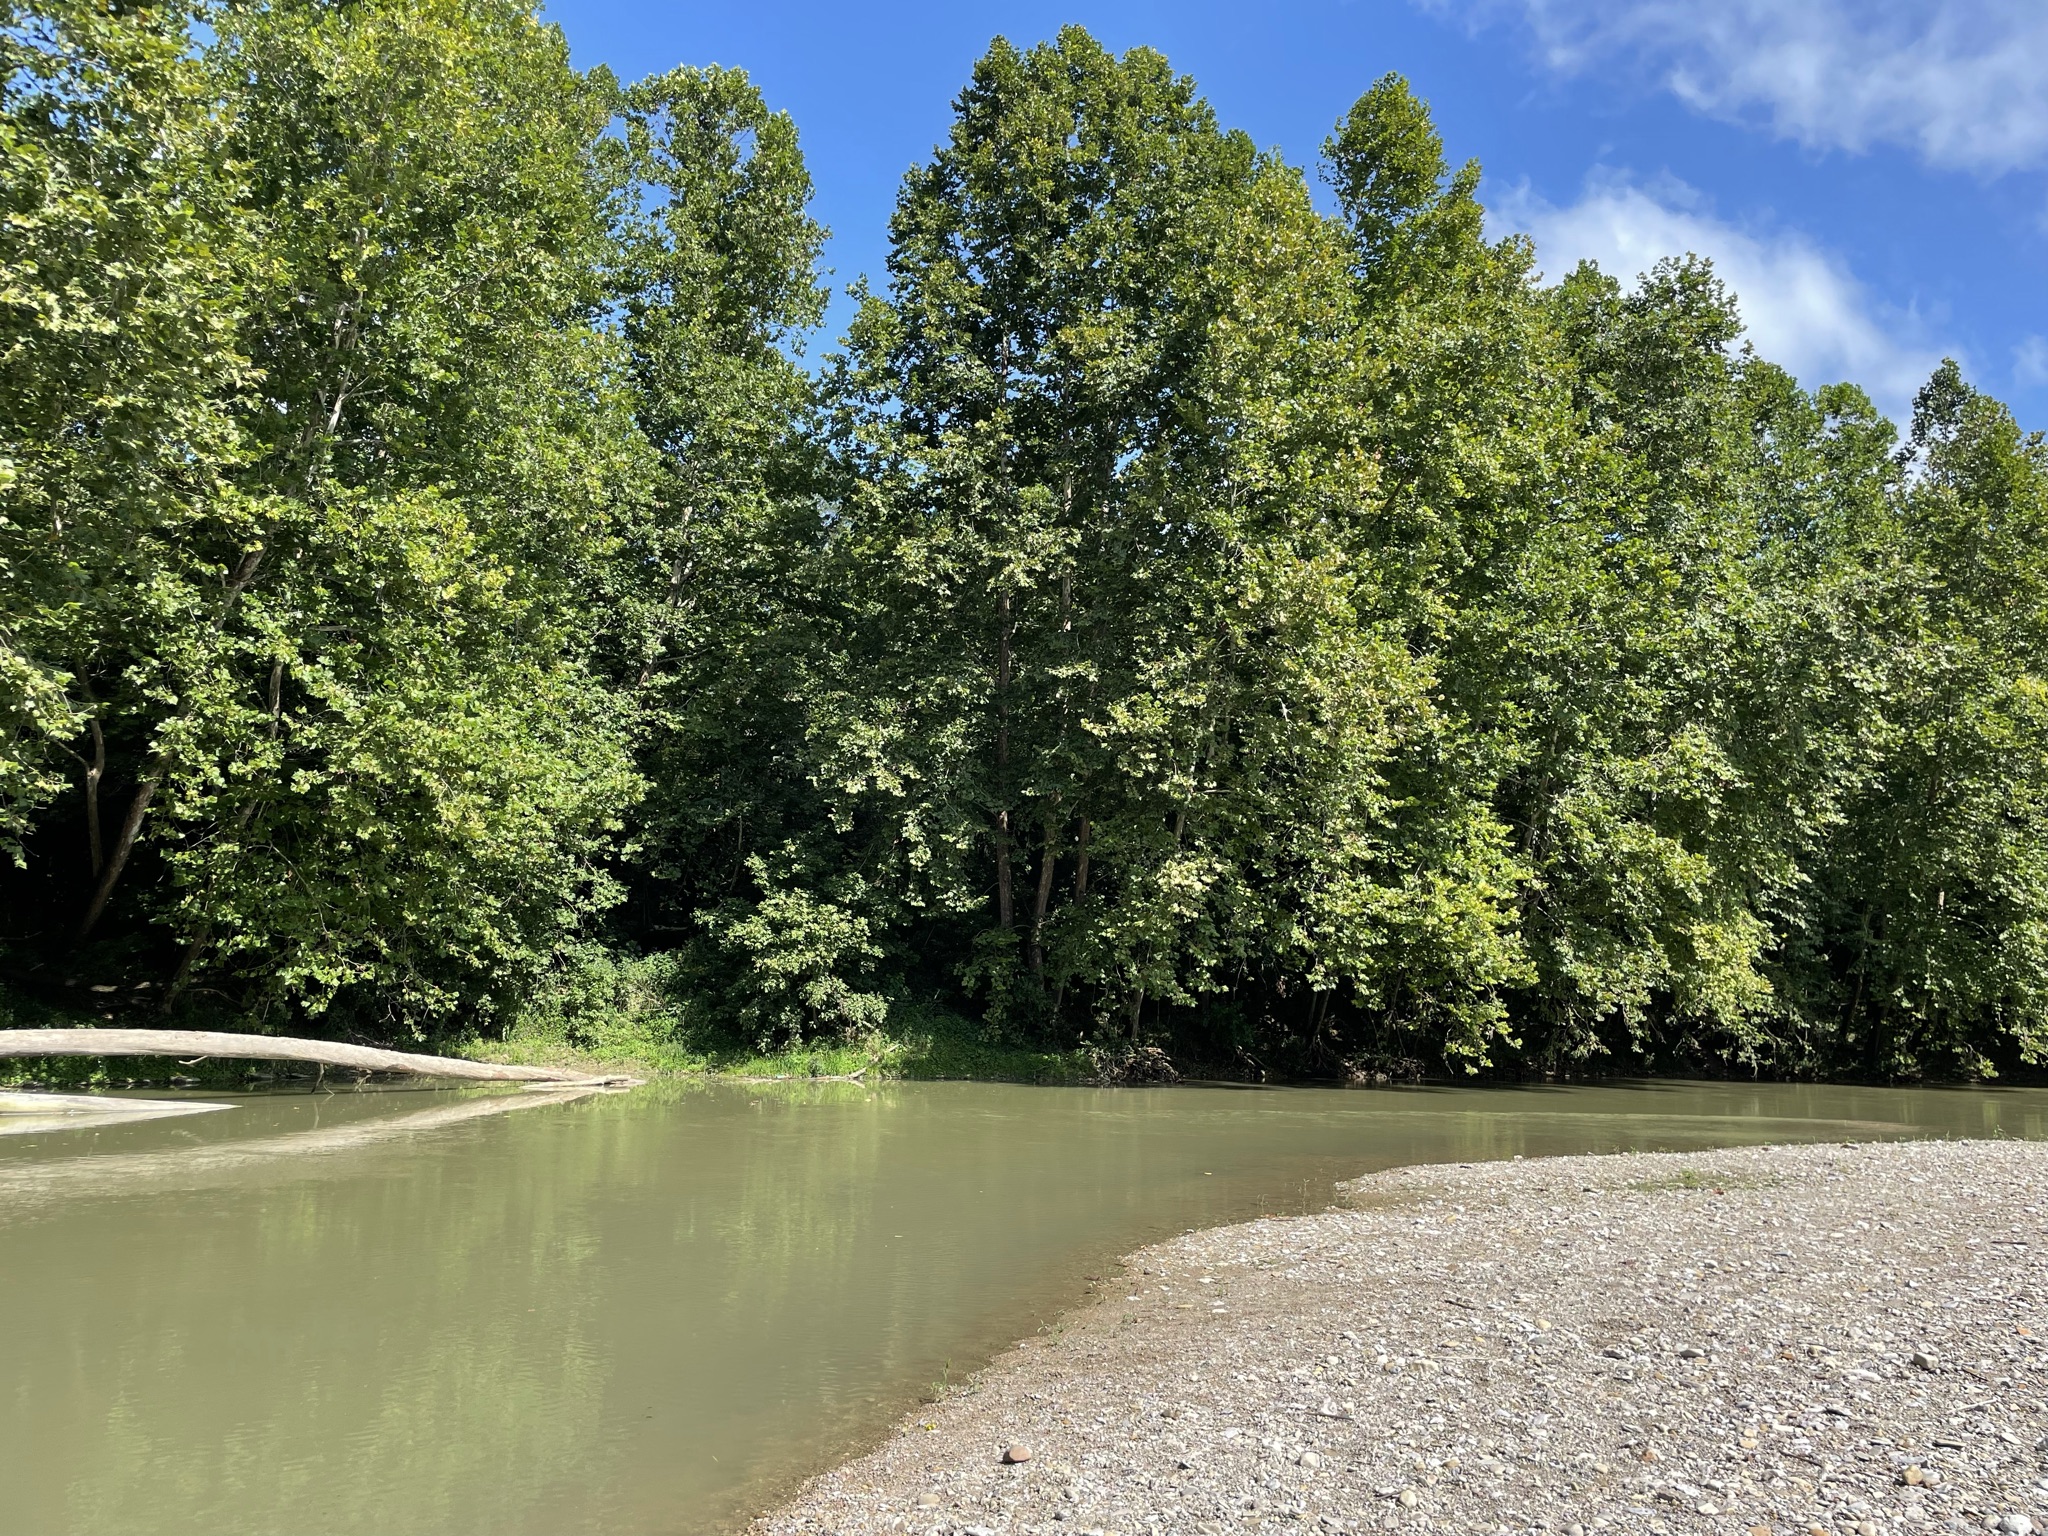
x=189 y=1043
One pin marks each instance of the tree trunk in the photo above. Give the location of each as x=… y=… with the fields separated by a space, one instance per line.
x=1005 y=900
x=124 y=844
x=1005 y=907
x=1034 y=954
x=93 y=775
x=1081 y=863
x=201 y=1042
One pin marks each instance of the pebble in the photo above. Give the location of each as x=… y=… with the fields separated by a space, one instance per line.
x=1394 y=1350
x=1016 y=1454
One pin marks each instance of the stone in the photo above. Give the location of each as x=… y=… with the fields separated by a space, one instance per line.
x=1926 y=1360
x=1407 y=1499
x=1912 y=1477
x=1308 y=1461
x=927 y=1501
x=2016 y=1525
x=1691 y=1352
x=1016 y=1454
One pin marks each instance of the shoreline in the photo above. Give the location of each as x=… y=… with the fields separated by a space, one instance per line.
x=1846 y=1340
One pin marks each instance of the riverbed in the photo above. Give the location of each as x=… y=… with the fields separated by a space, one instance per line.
x=420 y=1312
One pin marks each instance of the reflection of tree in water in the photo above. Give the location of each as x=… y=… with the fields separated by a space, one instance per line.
x=376 y=1323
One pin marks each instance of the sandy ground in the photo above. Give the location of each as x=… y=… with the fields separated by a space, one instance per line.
x=1843 y=1340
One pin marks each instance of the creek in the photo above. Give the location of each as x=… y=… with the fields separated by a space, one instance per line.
x=411 y=1312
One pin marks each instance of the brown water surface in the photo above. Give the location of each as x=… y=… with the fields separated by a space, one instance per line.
x=403 y=1313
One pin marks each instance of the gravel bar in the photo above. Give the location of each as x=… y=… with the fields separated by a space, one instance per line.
x=1845 y=1340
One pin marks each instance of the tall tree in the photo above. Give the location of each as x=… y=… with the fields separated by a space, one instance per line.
x=121 y=364
x=342 y=687
x=1128 y=699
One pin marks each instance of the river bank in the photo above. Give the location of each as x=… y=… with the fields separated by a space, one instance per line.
x=1790 y=1339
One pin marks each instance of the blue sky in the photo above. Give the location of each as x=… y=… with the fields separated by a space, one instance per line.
x=1870 y=175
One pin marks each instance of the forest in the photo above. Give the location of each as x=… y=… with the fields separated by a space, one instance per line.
x=1202 y=611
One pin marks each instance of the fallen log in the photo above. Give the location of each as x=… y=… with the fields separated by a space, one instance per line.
x=187 y=1044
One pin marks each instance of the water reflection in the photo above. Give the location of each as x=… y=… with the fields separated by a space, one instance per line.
x=413 y=1313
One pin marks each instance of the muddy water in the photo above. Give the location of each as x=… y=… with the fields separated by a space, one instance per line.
x=417 y=1312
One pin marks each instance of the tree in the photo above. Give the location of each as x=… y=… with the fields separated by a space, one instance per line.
x=1127 y=706
x=121 y=364
x=343 y=686
x=1921 y=942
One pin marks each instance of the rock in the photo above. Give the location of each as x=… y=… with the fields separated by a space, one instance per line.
x=1912 y=1477
x=927 y=1501
x=1926 y=1360
x=2016 y=1525
x=1407 y=1499
x=1691 y=1352
x=1308 y=1461
x=1016 y=1454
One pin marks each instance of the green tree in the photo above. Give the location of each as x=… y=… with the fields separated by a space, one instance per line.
x=121 y=250
x=1127 y=704
x=342 y=680
x=1920 y=944
x=713 y=610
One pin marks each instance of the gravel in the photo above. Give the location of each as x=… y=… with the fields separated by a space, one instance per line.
x=1843 y=1340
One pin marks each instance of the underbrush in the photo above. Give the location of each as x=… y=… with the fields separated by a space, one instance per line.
x=602 y=1011
x=641 y=1014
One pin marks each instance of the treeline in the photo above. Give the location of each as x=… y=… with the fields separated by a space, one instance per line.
x=1175 y=618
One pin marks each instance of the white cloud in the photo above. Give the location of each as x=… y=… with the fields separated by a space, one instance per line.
x=2030 y=362
x=1803 y=308
x=1963 y=83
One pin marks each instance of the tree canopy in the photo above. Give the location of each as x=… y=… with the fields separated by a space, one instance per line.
x=1196 y=609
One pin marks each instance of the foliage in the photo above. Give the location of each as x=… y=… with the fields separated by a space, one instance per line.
x=436 y=597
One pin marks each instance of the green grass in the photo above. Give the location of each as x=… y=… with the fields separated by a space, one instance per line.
x=917 y=1042
x=634 y=1026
